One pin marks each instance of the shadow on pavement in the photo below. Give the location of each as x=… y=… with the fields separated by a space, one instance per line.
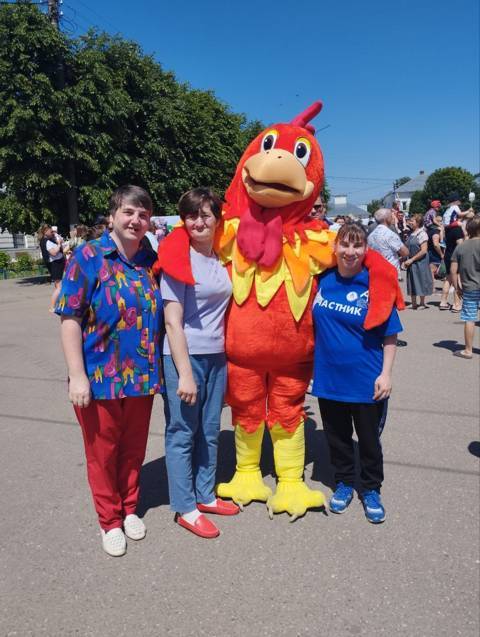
x=153 y=486
x=474 y=448
x=154 y=481
x=35 y=280
x=453 y=346
x=316 y=451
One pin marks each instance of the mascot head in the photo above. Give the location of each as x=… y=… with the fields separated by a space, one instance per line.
x=275 y=185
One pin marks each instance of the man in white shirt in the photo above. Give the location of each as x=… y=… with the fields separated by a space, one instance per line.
x=453 y=212
x=386 y=241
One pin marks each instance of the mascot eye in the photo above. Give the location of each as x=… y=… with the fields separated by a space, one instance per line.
x=269 y=139
x=302 y=150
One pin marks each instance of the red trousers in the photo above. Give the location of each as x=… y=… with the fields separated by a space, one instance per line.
x=115 y=434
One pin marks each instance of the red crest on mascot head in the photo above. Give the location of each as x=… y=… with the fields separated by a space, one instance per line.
x=275 y=185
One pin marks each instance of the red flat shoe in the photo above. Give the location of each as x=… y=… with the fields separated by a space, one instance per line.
x=201 y=527
x=222 y=507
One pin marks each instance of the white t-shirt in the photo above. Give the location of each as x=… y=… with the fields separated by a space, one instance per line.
x=204 y=304
x=387 y=242
x=53 y=257
x=450 y=214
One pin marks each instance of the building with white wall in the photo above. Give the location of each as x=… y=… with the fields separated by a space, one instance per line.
x=339 y=205
x=403 y=194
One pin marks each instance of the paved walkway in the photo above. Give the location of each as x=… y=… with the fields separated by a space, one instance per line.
x=415 y=575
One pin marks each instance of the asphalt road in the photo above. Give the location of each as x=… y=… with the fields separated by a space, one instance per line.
x=415 y=575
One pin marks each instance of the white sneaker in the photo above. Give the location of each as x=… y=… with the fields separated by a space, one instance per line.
x=134 y=527
x=114 y=542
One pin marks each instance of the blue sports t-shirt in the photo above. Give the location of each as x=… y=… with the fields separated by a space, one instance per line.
x=348 y=358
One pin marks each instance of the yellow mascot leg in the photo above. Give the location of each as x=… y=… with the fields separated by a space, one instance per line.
x=292 y=495
x=247 y=484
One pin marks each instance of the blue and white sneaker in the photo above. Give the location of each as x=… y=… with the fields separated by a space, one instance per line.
x=373 y=507
x=341 y=498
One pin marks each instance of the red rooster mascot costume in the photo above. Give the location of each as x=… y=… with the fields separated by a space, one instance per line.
x=273 y=252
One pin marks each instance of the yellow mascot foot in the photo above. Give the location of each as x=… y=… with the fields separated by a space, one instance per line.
x=293 y=495
x=294 y=498
x=244 y=487
x=247 y=483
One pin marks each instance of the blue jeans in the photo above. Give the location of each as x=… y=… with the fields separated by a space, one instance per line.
x=191 y=435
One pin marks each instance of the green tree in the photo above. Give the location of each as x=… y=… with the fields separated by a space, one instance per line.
x=374 y=205
x=444 y=181
x=418 y=202
x=401 y=181
x=326 y=194
x=118 y=115
x=31 y=118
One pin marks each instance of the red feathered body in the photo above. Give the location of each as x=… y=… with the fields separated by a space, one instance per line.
x=275 y=252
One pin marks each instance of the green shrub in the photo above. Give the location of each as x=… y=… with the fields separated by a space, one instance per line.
x=5 y=260
x=24 y=262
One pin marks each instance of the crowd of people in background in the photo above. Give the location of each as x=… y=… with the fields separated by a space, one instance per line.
x=56 y=251
x=415 y=243
x=427 y=247
x=422 y=245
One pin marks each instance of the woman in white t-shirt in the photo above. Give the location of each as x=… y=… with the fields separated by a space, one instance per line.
x=52 y=253
x=196 y=291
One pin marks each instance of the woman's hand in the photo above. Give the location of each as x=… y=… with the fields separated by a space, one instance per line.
x=407 y=263
x=187 y=389
x=79 y=392
x=383 y=387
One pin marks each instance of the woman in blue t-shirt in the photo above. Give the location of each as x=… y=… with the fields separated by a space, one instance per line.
x=195 y=364
x=352 y=372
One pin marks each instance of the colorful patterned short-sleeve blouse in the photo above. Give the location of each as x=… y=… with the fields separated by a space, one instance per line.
x=120 y=306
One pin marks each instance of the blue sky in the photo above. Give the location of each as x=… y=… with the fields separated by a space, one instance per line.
x=399 y=80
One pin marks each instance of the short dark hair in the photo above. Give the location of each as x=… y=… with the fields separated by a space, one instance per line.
x=129 y=194
x=352 y=232
x=193 y=200
x=473 y=227
x=101 y=220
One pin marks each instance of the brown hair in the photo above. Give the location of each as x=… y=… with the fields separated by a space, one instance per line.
x=134 y=195
x=352 y=232
x=81 y=231
x=473 y=227
x=42 y=230
x=192 y=202
x=418 y=217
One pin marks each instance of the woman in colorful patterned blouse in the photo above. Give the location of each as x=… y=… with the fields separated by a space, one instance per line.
x=110 y=306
